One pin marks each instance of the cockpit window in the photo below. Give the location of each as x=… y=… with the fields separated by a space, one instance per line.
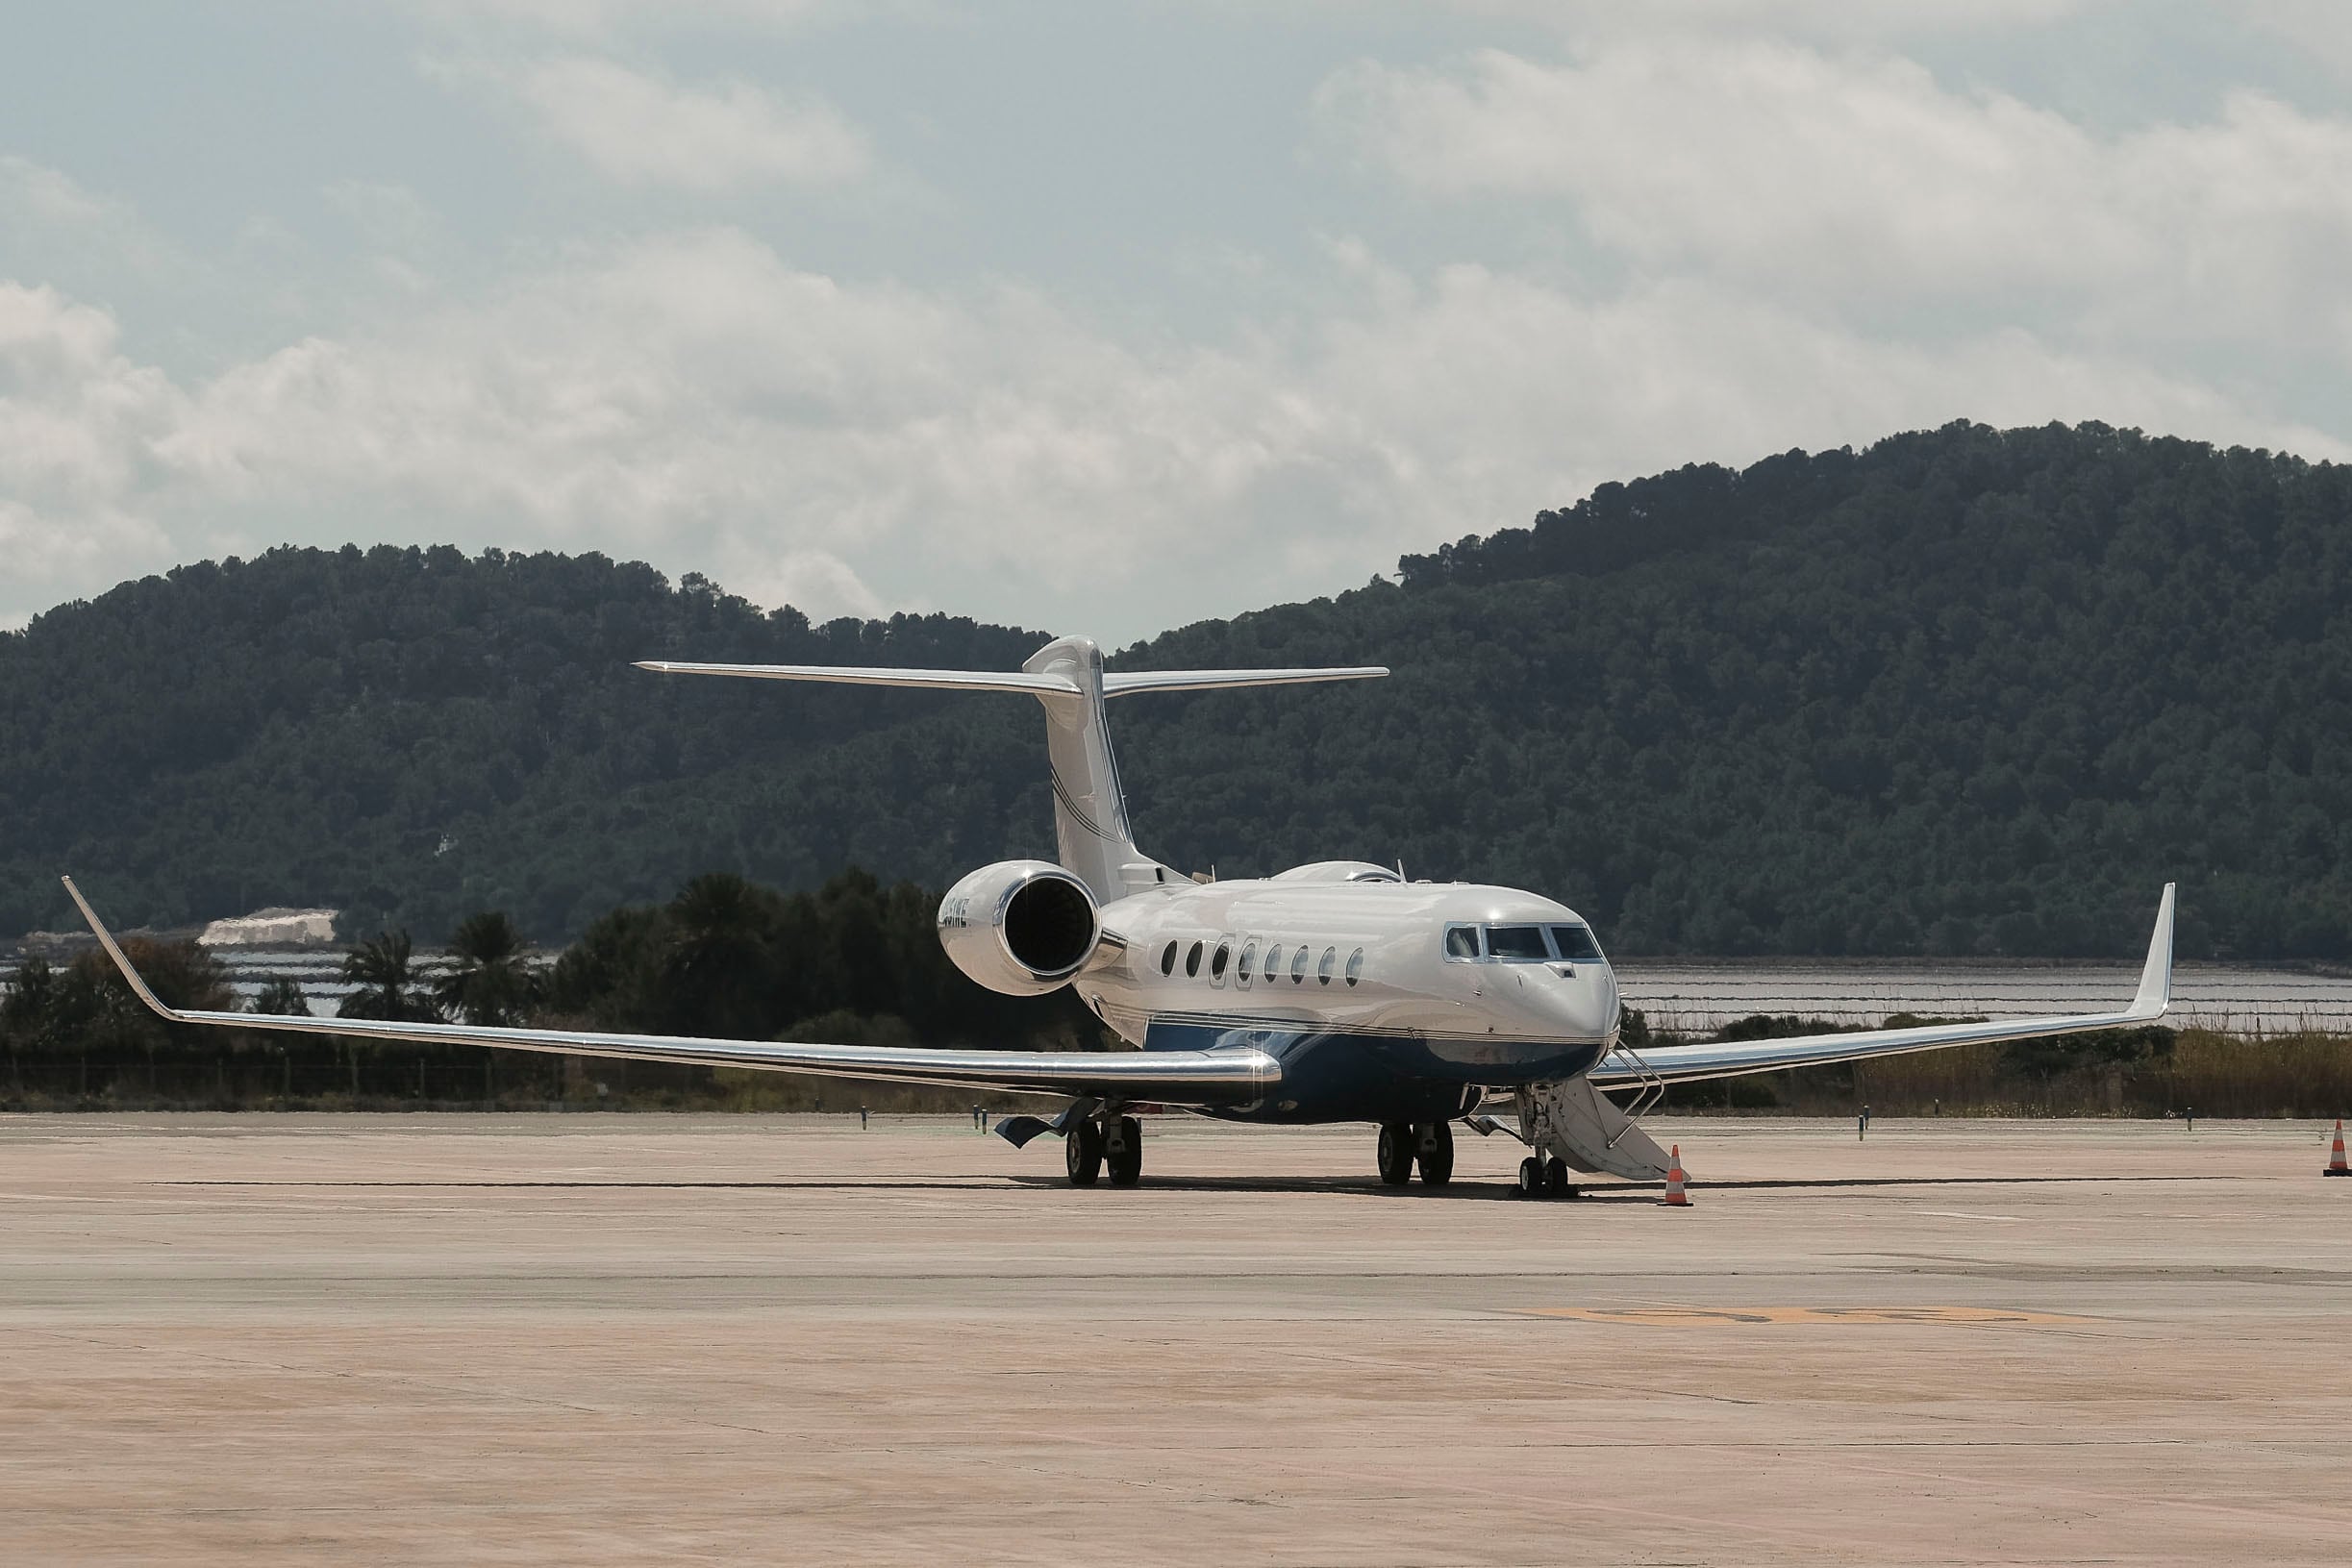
x=1461 y=941
x=1576 y=944
x=1517 y=944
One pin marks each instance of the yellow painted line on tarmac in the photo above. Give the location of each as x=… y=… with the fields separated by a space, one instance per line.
x=1674 y=1317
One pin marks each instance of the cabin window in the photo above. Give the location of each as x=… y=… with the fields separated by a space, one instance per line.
x=1355 y=966
x=1249 y=961
x=1192 y=962
x=1167 y=959
x=1576 y=944
x=1517 y=944
x=1216 y=965
x=1273 y=963
x=1460 y=942
x=1298 y=967
x=1323 y=971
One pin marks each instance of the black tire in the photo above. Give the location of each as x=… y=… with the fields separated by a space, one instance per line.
x=1556 y=1177
x=1530 y=1178
x=1396 y=1142
x=1435 y=1153
x=1127 y=1163
x=1082 y=1152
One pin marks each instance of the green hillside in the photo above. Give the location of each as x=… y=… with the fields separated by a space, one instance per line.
x=1965 y=691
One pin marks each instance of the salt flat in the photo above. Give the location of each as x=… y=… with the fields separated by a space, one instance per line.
x=588 y=1339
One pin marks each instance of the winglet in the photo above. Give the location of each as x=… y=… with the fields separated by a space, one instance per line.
x=106 y=939
x=2155 y=977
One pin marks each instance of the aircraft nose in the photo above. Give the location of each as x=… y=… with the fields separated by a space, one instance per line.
x=1581 y=999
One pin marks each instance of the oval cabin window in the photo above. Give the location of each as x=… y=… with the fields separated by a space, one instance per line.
x=1192 y=962
x=1355 y=966
x=1298 y=967
x=1249 y=961
x=1216 y=965
x=1167 y=959
x=1323 y=971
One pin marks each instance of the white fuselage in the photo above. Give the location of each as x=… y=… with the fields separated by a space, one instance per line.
x=1328 y=955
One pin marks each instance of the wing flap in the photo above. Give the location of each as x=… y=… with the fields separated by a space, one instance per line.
x=1185 y=1078
x=1690 y=1064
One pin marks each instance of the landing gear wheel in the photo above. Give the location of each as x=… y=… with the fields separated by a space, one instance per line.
x=1530 y=1178
x=1556 y=1177
x=1082 y=1151
x=1396 y=1146
x=1435 y=1153
x=1123 y=1149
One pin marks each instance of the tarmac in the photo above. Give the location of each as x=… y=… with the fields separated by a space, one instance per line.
x=262 y=1339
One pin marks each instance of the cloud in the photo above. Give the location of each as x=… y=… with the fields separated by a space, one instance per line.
x=51 y=222
x=852 y=447
x=606 y=18
x=641 y=129
x=75 y=417
x=1831 y=20
x=1856 y=181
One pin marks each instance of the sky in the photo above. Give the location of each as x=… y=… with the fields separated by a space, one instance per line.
x=1106 y=319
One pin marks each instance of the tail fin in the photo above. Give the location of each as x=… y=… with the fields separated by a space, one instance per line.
x=1066 y=676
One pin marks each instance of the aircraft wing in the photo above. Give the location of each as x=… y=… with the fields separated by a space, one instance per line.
x=1181 y=1078
x=1685 y=1063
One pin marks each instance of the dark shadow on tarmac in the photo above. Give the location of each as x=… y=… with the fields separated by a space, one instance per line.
x=1349 y=1186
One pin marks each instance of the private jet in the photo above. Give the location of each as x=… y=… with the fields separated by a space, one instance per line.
x=1332 y=992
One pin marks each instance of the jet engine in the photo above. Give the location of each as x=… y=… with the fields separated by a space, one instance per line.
x=1019 y=927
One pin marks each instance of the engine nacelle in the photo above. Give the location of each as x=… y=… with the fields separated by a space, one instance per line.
x=1019 y=927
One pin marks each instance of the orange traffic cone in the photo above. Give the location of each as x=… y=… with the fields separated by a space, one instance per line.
x=1675 y=1195
x=2336 y=1155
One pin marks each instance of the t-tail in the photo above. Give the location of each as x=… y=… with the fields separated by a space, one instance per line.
x=1067 y=676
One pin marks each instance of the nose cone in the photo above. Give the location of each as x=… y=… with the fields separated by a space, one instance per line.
x=1582 y=1003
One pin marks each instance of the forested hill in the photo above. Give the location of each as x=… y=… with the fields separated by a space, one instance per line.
x=1966 y=691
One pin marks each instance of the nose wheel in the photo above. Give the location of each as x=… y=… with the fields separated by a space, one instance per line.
x=1542 y=1177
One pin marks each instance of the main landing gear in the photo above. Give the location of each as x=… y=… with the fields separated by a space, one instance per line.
x=1542 y=1177
x=1403 y=1144
x=1089 y=1145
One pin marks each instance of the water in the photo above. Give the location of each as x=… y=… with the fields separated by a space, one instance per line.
x=1698 y=996
x=1695 y=996
x=318 y=970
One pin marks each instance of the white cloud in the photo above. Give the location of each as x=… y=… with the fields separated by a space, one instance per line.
x=75 y=417
x=49 y=220
x=1857 y=181
x=643 y=130
x=856 y=447
x=604 y=18
x=1849 y=19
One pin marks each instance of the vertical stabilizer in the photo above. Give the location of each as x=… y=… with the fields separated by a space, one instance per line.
x=1090 y=808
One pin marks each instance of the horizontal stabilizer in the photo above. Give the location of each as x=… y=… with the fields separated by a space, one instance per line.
x=860 y=675
x=1128 y=683
x=1117 y=684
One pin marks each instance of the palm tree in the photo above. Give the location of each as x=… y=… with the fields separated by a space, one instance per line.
x=491 y=979
x=387 y=983
x=284 y=998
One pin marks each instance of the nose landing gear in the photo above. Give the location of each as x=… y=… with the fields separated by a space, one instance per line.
x=1542 y=1177
x=1404 y=1144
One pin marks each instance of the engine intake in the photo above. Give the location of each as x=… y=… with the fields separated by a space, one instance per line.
x=1019 y=927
